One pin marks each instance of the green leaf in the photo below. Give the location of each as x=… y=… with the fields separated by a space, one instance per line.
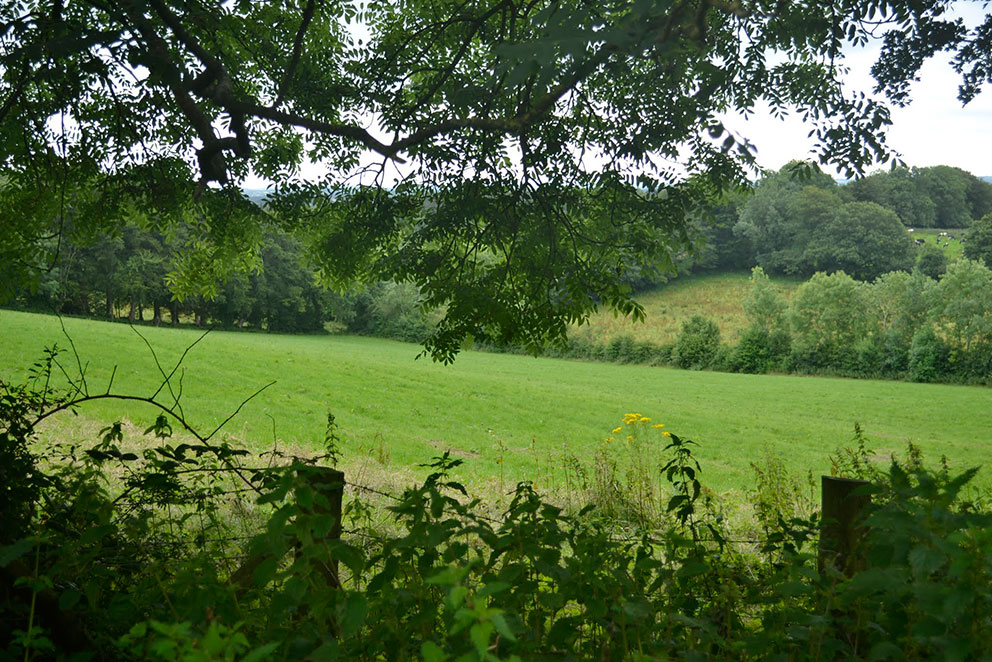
x=304 y=497
x=492 y=588
x=263 y=652
x=69 y=598
x=431 y=652
x=356 y=607
x=457 y=595
x=16 y=550
x=501 y=626
x=265 y=572
x=479 y=633
x=925 y=560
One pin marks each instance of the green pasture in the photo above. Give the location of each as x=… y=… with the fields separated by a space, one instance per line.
x=718 y=296
x=953 y=248
x=510 y=417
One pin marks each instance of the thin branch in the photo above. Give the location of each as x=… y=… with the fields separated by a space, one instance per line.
x=71 y=404
x=235 y=412
x=294 y=59
x=81 y=386
x=179 y=363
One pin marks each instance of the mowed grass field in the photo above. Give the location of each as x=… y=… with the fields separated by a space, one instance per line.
x=509 y=417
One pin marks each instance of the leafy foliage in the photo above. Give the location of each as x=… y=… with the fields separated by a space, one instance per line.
x=489 y=111
x=697 y=343
x=828 y=315
x=799 y=230
x=764 y=304
x=979 y=240
x=899 y=191
x=862 y=239
x=931 y=261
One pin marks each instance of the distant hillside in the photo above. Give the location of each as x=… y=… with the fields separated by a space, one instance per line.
x=986 y=178
x=256 y=195
x=716 y=296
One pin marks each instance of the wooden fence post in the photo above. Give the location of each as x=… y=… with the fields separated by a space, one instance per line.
x=841 y=527
x=330 y=484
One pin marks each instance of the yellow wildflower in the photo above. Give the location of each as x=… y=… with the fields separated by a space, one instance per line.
x=658 y=426
x=667 y=434
x=644 y=419
x=630 y=437
x=616 y=429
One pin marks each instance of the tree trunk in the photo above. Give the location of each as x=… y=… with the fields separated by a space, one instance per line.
x=174 y=313
x=131 y=316
x=156 y=314
x=110 y=305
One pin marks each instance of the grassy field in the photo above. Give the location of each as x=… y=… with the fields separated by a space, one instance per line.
x=953 y=248
x=509 y=417
x=667 y=307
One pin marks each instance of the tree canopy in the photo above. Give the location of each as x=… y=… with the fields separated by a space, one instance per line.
x=979 y=240
x=510 y=158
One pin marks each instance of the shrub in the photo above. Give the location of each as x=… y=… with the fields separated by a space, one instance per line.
x=866 y=358
x=828 y=315
x=722 y=359
x=620 y=349
x=663 y=355
x=649 y=571
x=697 y=343
x=929 y=357
x=931 y=261
x=825 y=357
x=644 y=352
x=894 y=354
x=759 y=350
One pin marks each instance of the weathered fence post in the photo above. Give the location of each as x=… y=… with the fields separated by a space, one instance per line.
x=329 y=483
x=842 y=529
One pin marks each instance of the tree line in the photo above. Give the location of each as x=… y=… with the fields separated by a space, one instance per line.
x=902 y=325
x=128 y=277
x=799 y=221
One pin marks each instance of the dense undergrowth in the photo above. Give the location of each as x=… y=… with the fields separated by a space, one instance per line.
x=199 y=551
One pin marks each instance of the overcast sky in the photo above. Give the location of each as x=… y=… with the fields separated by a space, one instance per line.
x=932 y=130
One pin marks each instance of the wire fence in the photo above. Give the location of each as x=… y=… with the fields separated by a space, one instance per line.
x=627 y=532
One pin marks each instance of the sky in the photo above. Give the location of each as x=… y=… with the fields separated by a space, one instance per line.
x=934 y=129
